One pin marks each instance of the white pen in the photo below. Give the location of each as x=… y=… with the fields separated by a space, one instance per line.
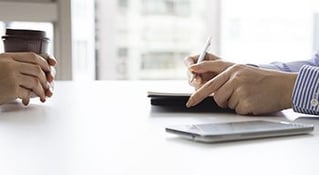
x=202 y=54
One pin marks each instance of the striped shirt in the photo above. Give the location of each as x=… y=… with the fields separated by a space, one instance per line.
x=305 y=98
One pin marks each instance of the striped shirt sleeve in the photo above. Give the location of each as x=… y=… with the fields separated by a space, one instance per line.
x=305 y=97
x=293 y=66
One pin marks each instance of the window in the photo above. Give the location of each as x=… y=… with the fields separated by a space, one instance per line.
x=159 y=33
x=150 y=39
x=266 y=31
x=83 y=40
x=166 y=7
x=54 y=15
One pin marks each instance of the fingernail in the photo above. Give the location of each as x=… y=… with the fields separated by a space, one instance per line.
x=189 y=103
x=48 y=86
x=51 y=88
x=197 y=80
x=49 y=93
x=25 y=101
x=42 y=100
x=49 y=78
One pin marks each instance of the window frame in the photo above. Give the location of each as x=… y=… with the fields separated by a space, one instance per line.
x=59 y=13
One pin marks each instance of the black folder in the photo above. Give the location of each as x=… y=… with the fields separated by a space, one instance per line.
x=177 y=101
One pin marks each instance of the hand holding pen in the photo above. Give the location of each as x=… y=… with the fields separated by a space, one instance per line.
x=204 y=71
x=201 y=57
x=196 y=65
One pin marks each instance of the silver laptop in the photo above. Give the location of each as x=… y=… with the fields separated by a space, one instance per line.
x=218 y=132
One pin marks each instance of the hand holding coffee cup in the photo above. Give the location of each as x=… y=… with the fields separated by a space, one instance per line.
x=29 y=49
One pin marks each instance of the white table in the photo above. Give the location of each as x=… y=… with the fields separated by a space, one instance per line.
x=110 y=128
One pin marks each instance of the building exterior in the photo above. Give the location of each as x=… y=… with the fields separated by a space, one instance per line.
x=148 y=39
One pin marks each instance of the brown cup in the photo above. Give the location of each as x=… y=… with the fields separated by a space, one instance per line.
x=19 y=40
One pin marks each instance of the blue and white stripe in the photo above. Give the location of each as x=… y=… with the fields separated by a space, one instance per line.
x=305 y=96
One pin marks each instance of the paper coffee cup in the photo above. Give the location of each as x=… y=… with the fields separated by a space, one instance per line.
x=20 y=40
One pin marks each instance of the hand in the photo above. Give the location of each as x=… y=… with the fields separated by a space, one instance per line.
x=247 y=89
x=22 y=74
x=195 y=69
x=51 y=74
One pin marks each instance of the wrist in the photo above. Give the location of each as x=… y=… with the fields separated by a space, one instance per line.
x=289 y=83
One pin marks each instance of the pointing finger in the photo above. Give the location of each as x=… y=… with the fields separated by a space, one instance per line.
x=208 y=88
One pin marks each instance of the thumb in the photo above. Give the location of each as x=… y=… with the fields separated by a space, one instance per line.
x=216 y=66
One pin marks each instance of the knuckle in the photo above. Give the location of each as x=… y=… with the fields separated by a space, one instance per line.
x=245 y=104
x=32 y=56
x=37 y=81
x=244 y=108
x=242 y=91
x=240 y=111
x=239 y=78
x=231 y=104
x=37 y=69
x=236 y=67
x=187 y=58
x=34 y=81
x=218 y=99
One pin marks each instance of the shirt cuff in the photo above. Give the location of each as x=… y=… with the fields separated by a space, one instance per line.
x=305 y=97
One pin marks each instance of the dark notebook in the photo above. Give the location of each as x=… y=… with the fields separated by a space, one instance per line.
x=177 y=101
